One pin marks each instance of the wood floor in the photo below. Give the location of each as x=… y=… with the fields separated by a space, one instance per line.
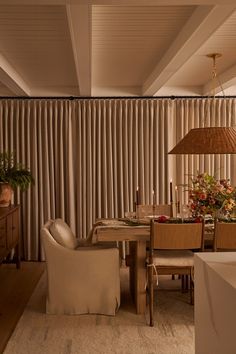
x=16 y=287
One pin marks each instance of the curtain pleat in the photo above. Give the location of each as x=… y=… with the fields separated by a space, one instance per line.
x=89 y=156
x=116 y=152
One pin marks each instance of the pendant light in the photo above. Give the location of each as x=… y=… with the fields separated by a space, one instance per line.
x=210 y=140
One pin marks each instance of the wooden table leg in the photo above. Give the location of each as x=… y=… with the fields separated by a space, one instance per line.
x=132 y=252
x=140 y=277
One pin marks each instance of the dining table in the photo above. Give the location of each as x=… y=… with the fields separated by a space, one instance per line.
x=137 y=233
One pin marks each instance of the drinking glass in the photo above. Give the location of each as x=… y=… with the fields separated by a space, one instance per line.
x=130 y=214
x=185 y=213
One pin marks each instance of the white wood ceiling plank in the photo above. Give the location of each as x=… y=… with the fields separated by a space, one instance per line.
x=118 y=2
x=124 y=55
x=36 y=41
x=200 y=26
x=222 y=81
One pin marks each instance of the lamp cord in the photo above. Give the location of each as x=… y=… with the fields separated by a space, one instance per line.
x=215 y=78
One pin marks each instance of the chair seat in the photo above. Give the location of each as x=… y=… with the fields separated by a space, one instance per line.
x=173 y=258
x=84 y=244
x=105 y=244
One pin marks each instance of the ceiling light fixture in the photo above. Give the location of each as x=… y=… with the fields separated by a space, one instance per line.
x=210 y=140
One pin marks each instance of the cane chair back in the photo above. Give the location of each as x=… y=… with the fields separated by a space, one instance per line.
x=224 y=236
x=170 y=252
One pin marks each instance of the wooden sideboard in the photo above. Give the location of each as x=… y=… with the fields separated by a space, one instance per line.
x=9 y=233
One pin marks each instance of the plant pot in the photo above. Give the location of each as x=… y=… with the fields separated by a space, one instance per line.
x=6 y=193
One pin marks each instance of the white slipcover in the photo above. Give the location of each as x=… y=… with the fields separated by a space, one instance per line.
x=83 y=280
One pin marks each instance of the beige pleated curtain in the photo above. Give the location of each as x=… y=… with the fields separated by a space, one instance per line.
x=88 y=156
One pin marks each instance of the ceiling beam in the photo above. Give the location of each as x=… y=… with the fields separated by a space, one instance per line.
x=11 y=79
x=79 y=19
x=223 y=81
x=160 y=2
x=119 y=2
x=200 y=26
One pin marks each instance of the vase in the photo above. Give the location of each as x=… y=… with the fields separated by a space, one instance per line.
x=6 y=193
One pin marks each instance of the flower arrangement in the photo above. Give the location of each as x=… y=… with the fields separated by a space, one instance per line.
x=209 y=195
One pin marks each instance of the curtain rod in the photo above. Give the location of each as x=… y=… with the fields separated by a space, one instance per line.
x=107 y=97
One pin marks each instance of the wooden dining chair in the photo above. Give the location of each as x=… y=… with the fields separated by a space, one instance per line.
x=170 y=252
x=224 y=236
x=145 y=210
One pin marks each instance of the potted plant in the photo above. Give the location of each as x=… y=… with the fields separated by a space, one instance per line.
x=12 y=175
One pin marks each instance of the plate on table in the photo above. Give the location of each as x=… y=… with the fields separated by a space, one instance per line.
x=136 y=222
x=157 y=216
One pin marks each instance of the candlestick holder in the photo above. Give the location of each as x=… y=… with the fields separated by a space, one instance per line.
x=177 y=206
x=136 y=209
x=171 y=209
x=153 y=210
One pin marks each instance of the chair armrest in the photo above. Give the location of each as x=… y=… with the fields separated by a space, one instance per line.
x=64 y=263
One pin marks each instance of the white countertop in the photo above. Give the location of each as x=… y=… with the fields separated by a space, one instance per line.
x=223 y=263
x=215 y=302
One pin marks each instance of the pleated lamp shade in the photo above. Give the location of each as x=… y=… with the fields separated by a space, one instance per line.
x=211 y=140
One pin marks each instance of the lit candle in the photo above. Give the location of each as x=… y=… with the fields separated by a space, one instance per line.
x=171 y=196
x=137 y=196
x=176 y=194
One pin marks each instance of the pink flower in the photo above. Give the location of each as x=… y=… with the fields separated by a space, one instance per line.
x=162 y=219
x=198 y=220
x=209 y=194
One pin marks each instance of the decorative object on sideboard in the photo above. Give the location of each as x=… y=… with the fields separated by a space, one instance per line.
x=12 y=176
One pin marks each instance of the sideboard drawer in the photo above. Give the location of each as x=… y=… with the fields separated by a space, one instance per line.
x=3 y=227
x=9 y=232
x=2 y=234
x=2 y=242
x=12 y=229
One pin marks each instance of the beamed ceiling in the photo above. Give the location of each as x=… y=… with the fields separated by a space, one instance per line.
x=116 y=47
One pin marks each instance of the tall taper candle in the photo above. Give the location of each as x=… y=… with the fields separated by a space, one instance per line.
x=176 y=195
x=171 y=195
x=137 y=196
x=153 y=197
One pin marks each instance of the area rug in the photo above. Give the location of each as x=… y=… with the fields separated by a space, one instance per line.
x=126 y=333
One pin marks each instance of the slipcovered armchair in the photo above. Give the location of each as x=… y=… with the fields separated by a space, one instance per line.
x=83 y=279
